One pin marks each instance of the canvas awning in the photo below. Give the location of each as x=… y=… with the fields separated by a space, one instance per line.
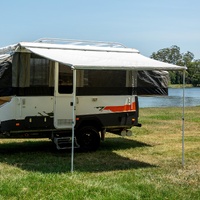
x=98 y=58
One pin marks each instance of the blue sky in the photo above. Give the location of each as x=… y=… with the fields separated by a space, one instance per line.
x=145 y=25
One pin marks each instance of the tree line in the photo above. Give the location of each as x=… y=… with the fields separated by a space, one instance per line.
x=174 y=56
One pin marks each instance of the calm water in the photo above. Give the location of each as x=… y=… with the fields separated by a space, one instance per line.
x=174 y=99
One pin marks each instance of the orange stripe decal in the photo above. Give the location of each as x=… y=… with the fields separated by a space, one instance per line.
x=123 y=108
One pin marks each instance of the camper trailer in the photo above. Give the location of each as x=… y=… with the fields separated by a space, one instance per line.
x=51 y=88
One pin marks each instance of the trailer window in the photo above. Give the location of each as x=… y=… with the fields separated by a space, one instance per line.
x=32 y=75
x=104 y=82
x=39 y=71
x=65 y=79
x=105 y=78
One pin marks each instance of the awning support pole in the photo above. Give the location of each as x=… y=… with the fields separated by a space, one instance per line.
x=73 y=119
x=183 y=121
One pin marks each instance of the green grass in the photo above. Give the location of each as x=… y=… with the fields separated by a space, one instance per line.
x=146 y=165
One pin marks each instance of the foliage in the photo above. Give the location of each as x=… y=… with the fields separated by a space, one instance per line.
x=174 y=56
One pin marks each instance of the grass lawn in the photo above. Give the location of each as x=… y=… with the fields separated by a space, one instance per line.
x=146 y=165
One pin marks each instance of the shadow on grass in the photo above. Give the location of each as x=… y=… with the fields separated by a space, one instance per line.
x=41 y=156
x=119 y=143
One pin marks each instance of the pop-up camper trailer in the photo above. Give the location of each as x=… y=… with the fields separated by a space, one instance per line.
x=51 y=88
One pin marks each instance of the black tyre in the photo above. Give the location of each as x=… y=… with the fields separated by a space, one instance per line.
x=88 y=138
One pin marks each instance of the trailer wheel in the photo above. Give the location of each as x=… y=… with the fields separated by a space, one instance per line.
x=88 y=138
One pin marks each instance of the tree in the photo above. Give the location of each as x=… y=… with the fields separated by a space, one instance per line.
x=174 y=56
x=169 y=55
x=194 y=73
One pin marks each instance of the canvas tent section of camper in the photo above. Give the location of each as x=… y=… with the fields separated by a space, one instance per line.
x=148 y=76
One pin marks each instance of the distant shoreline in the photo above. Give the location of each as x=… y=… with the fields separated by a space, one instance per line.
x=180 y=86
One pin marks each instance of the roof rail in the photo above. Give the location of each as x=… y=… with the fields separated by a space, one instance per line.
x=80 y=42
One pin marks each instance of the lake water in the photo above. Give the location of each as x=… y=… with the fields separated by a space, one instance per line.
x=174 y=98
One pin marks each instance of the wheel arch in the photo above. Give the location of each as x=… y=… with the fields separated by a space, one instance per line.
x=88 y=121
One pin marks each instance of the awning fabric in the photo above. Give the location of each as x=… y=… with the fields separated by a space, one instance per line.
x=99 y=58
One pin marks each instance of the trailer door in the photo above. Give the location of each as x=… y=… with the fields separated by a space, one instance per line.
x=63 y=103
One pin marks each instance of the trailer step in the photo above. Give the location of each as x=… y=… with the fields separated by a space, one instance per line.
x=65 y=142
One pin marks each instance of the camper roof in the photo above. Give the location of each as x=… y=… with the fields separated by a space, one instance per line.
x=92 y=55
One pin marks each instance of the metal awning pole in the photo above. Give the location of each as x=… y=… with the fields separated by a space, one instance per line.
x=73 y=119
x=183 y=121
